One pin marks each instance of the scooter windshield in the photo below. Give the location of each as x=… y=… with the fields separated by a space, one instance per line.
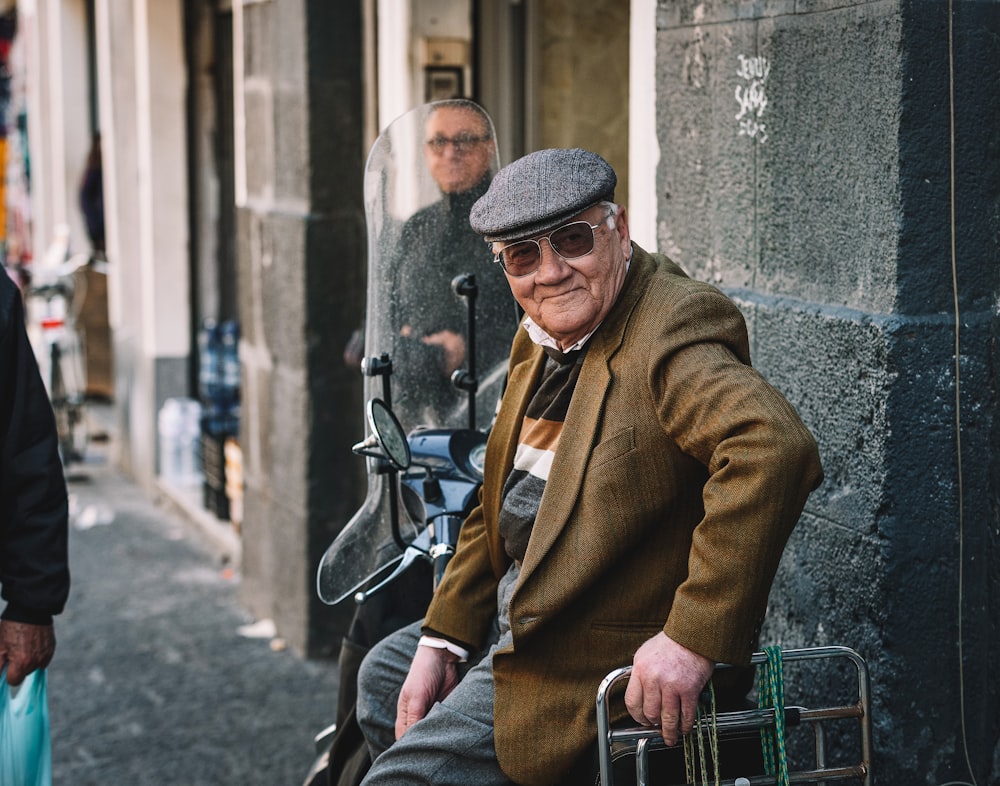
x=425 y=266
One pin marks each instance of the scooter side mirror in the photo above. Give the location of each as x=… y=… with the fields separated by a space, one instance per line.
x=389 y=434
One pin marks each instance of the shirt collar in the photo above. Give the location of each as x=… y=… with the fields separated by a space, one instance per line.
x=543 y=339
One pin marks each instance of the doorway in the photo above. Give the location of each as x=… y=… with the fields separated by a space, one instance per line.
x=555 y=73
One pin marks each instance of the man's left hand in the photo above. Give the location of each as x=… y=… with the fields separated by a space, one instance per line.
x=453 y=346
x=667 y=679
x=24 y=648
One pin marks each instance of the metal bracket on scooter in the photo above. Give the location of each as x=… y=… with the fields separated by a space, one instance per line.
x=464 y=285
x=463 y=380
x=441 y=550
x=376 y=366
x=380 y=366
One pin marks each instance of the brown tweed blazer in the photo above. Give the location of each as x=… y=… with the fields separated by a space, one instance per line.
x=678 y=478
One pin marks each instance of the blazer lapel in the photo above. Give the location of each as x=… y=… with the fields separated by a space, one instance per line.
x=506 y=429
x=583 y=418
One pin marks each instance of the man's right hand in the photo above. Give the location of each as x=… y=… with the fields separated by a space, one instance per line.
x=433 y=675
x=667 y=679
x=24 y=648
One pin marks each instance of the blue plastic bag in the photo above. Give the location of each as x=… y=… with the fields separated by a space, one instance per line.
x=25 y=745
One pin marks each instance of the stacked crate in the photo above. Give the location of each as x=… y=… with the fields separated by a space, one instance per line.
x=213 y=467
x=219 y=382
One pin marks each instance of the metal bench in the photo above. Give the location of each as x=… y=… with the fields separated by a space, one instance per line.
x=640 y=741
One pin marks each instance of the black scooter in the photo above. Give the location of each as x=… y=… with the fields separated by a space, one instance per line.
x=438 y=472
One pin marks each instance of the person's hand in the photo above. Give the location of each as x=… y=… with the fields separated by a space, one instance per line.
x=354 y=350
x=453 y=345
x=433 y=675
x=665 y=684
x=24 y=648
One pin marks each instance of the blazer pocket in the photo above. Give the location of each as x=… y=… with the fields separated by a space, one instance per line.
x=614 y=447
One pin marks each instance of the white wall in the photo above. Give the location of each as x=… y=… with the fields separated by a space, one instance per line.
x=143 y=114
x=54 y=34
x=393 y=63
x=644 y=148
x=116 y=102
x=162 y=159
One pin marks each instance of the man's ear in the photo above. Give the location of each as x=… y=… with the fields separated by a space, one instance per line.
x=621 y=224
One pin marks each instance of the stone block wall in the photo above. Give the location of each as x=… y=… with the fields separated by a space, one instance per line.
x=806 y=170
x=301 y=283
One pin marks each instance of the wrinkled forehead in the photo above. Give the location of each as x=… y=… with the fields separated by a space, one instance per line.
x=452 y=120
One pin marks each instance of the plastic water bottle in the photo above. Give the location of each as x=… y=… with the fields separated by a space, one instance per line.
x=179 y=427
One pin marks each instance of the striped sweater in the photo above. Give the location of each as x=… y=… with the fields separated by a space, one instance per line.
x=536 y=447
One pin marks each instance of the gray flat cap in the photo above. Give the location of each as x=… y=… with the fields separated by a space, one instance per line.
x=540 y=192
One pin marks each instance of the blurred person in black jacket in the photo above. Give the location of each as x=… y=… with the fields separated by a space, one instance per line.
x=92 y=196
x=34 y=575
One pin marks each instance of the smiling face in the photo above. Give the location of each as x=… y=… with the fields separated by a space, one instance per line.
x=458 y=148
x=569 y=298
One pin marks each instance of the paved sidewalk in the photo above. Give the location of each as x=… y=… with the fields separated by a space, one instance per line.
x=152 y=681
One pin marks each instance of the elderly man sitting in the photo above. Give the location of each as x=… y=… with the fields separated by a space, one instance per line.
x=641 y=482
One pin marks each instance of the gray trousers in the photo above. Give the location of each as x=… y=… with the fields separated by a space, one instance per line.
x=453 y=745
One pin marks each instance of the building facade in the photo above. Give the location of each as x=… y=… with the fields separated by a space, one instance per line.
x=830 y=165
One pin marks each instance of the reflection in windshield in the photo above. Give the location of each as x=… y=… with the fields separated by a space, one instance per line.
x=422 y=177
x=420 y=321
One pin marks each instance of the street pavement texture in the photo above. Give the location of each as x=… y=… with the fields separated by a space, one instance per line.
x=153 y=680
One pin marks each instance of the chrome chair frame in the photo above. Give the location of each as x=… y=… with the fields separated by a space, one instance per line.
x=641 y=740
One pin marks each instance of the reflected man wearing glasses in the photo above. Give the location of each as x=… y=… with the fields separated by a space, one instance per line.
x=641 y=482
x=459 y=151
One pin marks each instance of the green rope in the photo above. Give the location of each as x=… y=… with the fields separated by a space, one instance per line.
x=695 y=743
x=771 y=694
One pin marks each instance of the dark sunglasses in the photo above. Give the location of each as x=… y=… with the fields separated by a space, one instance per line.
x=462 y=143
x=570 y=241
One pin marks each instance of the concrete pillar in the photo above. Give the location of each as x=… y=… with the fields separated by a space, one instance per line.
x=299 y=163
x=142 y=92
x=55 y=37
x=116 y=87
x=396 y=77
x=161 y=85
x=206 y=159
x=805 y=168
